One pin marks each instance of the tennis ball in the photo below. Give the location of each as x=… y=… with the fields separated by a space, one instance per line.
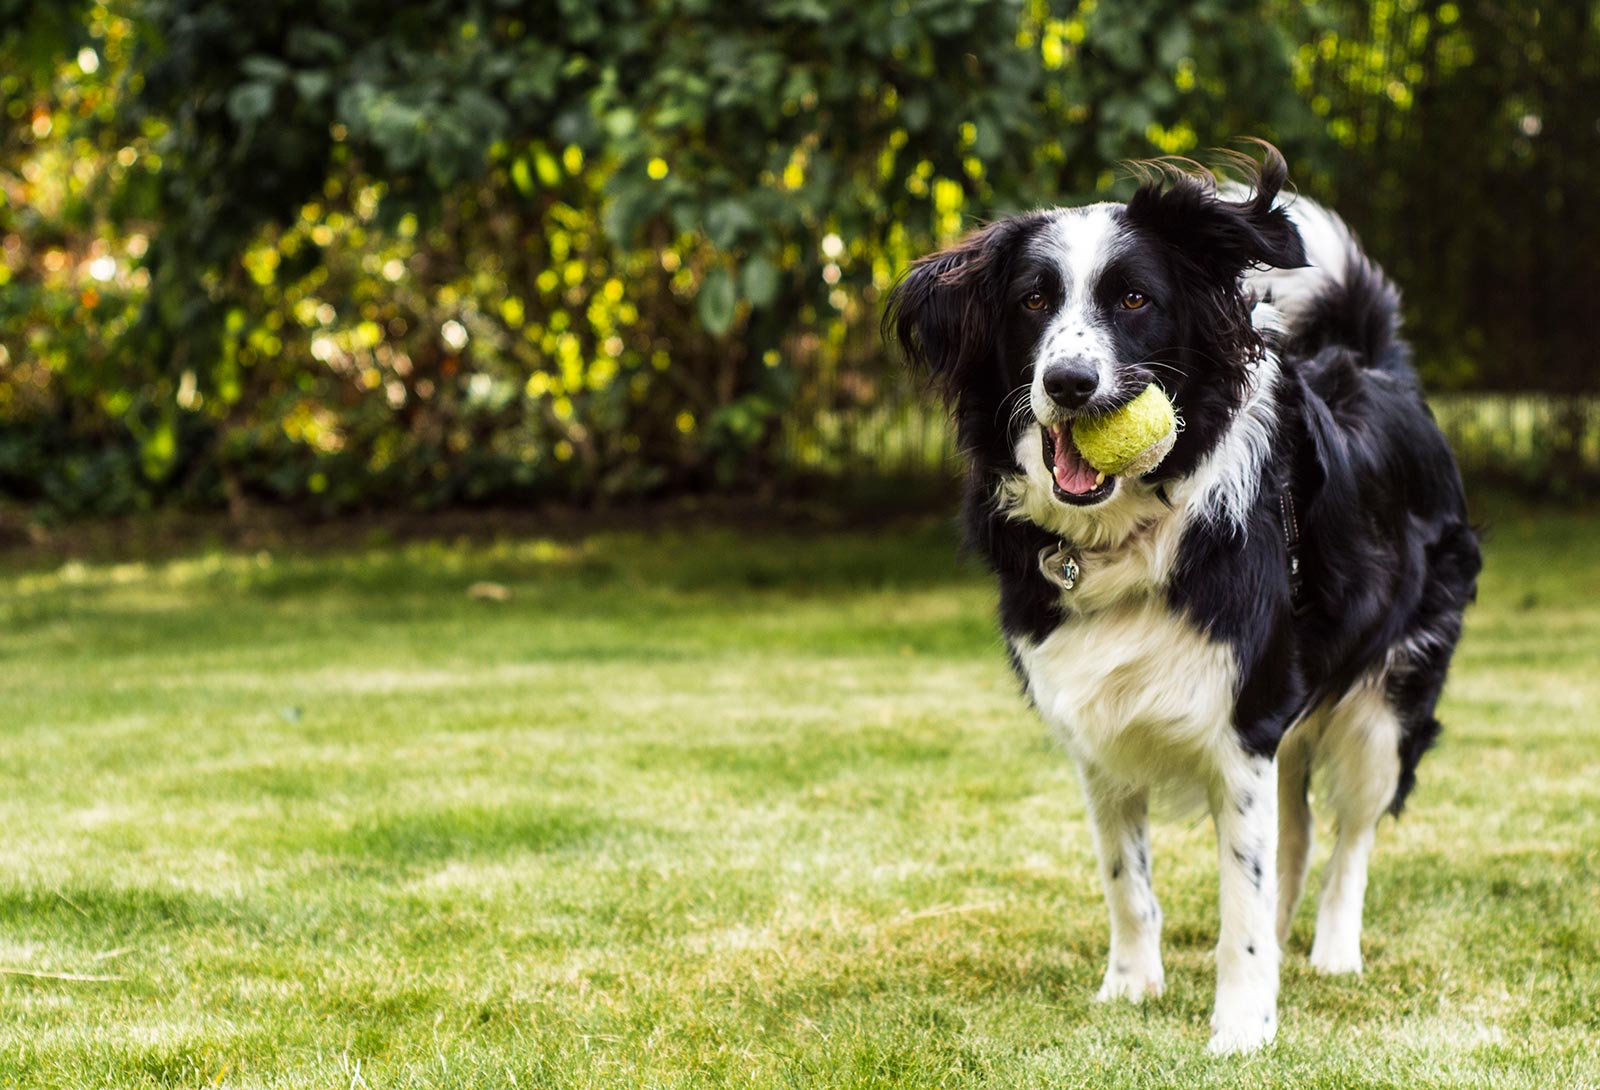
x=1131 y=440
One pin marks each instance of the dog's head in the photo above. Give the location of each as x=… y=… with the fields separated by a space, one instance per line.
x=1039 y=318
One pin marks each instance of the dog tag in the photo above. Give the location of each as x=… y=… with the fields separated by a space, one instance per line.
x=1058 y=566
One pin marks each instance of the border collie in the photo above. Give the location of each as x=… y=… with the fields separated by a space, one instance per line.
x=1279 y=597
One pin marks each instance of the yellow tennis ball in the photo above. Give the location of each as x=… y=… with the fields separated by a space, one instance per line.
x=1133 y=439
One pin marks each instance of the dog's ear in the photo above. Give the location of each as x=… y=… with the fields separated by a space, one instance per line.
x=944 y=313
x=1223 y=237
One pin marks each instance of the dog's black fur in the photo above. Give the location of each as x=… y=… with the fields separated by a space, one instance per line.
x=1282 y=593
x=1387 y=555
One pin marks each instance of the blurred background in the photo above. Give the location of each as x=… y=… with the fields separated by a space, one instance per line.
x=351 y=255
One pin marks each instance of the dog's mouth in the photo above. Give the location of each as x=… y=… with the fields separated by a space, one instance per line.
x=1072 y=479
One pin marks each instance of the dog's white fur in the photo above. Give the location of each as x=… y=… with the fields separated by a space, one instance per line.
x=1103 y=683
x=1080 y=241
x=1355 y=746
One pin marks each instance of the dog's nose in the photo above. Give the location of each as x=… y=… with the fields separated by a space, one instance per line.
x=1073 y=383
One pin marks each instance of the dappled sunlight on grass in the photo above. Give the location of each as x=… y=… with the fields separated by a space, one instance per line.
x=710 y=810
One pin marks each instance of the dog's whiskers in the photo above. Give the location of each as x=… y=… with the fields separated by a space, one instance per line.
x=1021 y=388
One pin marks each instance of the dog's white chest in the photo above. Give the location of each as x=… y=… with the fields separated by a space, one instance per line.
x=1136 y=690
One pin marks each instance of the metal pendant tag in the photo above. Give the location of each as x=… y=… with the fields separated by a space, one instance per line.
x=1058 y=566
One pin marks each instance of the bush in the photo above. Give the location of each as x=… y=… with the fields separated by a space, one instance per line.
x=354 y=253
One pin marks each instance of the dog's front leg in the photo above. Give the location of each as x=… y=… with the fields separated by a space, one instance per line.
x=1119 y=820
x=1244 y=806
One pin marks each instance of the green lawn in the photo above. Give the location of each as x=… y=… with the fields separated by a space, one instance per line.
x=705 y=809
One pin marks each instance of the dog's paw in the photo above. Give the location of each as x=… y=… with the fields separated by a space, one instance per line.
x=1242 y=1025
x=1133 y=981
x=1336 y=955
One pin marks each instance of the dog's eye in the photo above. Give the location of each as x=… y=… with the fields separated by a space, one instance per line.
x=1034 y=300
x=1134 y=300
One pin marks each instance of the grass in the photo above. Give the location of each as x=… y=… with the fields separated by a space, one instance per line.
x=702 y=809
x=1544 y=442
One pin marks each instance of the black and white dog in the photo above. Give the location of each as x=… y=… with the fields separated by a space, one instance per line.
x=1280 y=596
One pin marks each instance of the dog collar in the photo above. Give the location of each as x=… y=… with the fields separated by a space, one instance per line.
x=1289 y=519
x=1060 y=567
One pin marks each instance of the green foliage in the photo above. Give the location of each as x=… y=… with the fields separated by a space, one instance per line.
x=1475 y=127
x=346 y=253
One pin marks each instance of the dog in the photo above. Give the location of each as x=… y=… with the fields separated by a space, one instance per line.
x=1280 y=596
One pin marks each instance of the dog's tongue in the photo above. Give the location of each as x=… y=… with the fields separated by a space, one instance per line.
x=1073 y=474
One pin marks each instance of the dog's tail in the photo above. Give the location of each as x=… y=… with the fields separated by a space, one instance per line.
x=1340 y=299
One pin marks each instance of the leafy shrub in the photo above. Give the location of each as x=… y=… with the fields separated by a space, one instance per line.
x=348 y=253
